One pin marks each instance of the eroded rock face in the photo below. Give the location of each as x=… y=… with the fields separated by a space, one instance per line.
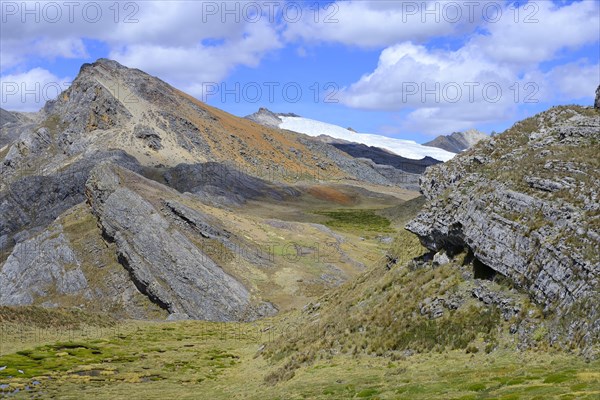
x=38 y=266
x=526 y=204
x=162 y=262
x=33 y=201
x=64 y=268
x=265 y=117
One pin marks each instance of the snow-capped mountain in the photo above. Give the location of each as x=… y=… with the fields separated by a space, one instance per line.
x=405 y=148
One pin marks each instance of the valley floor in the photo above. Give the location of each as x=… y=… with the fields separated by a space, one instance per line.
x=200 y=360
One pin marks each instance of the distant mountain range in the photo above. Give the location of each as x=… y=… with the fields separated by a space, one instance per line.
x=147 y=203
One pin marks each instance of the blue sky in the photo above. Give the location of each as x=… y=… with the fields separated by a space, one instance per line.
x=408 y=69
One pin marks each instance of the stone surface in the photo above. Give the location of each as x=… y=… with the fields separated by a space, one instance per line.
x=220 y=184
x=56 y=269
x=526 y=205
x=40 y=265
x=265 y=117
x=149 y=136
x=32 y=201
x=162 y=262
x=458 y=141
x=440 y=258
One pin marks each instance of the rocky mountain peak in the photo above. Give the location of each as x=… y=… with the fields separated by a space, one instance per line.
x=458 y=141
x=265 y=117
x=104 y=63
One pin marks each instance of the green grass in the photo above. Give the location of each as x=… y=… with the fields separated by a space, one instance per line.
x=185 y=360
x=46 y=317
x=364 y=220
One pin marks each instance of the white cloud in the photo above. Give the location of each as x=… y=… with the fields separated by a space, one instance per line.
x=574 y=80
x=191 y=43
x=448 y=90
x=167 y=39
x=383 y=23
x=191 y=67
x=29 y=91
x=171 y=28
x=542 y=29
x=410 y=76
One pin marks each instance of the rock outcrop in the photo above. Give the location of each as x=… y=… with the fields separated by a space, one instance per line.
x=162 y=262
x=265 y=117
x=37 y=265
x=220 y=184
x=13 y=124
x=525 y=203
x=34 y=199
x=597 y=102
x=69 y=264
x=6 y=117
x=458 y=141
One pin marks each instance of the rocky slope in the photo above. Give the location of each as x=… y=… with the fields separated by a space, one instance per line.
x=128 y=196
x=162 y=262
x=109 y=105
x=6 y=117
x=112 y=107
x=506 y=256
x=525 y=204
x=458 y=141
x=12 y=125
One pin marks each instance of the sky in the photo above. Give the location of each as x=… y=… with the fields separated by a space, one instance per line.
x=405 y=69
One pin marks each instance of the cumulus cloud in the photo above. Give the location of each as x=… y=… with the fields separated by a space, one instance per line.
x=28 y=91
x=163 y=38
x=538 y=31
x=439 y=87
x=574 y=80
x=486 y=79
x=192 y=67
x=383 y=23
